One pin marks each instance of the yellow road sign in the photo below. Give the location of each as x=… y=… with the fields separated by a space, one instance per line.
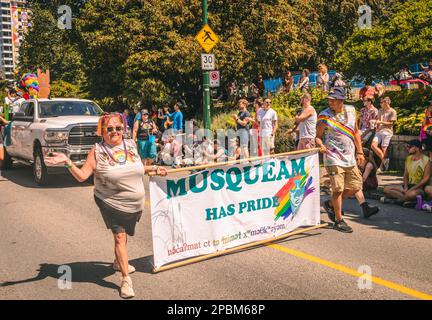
x=207 y=38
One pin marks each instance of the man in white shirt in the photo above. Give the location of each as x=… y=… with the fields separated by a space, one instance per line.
x=268 y=121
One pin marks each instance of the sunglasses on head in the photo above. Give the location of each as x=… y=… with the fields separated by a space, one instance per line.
x=111 y=129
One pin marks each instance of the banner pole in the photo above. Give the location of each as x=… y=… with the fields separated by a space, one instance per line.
x=235 y=249
x=219 y=164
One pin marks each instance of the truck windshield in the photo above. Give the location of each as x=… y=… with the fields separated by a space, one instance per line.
x=49 y=109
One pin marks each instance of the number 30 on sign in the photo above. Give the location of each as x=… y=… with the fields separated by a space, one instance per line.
x=208 y=62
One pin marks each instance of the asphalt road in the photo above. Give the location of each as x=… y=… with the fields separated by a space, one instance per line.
x=44 y=228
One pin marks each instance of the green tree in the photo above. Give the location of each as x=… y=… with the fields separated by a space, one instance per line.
x=48 y=47
x=338 y=20
x=381 y=51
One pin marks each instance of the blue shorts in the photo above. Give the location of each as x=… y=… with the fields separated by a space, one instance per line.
x=147 y=149
x=243 y=135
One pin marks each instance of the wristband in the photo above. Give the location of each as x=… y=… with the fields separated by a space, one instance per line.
x=68 y=164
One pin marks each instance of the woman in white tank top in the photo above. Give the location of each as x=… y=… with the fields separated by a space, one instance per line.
x=119 y=186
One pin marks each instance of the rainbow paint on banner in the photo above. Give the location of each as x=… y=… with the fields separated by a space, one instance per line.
x=337 y=126
x=292 y=195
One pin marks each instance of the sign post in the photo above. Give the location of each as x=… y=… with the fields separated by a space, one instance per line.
x=207 y=39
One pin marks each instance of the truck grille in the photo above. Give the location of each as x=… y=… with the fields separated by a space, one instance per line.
x=83 y=136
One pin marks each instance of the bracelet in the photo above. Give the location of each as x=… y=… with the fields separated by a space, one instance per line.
x=68 y=164
x=154 y=168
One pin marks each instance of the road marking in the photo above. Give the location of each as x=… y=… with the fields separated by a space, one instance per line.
x=352 y=272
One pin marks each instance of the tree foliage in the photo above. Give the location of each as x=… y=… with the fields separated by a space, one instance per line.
x=381 y=51
x=144 y=50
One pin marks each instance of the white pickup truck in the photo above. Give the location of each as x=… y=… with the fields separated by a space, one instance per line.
x=52 y=125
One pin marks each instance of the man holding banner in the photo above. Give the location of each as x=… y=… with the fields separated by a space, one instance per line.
x=342 y=151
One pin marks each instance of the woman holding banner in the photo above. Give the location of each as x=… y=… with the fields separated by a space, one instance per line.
x=119 y=186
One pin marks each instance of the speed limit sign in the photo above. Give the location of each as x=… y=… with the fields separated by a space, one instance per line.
x=207 y=62
x=214 y=79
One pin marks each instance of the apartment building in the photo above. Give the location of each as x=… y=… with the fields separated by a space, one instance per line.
x=14 y=23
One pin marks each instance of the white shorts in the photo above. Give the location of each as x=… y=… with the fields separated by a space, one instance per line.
x=383 y=138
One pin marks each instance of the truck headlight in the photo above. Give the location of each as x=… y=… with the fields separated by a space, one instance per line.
x=56 y=136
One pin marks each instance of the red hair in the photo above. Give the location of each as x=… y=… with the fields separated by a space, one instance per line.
x=106 y=117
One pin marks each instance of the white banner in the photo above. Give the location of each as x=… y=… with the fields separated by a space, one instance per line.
x=228 y=206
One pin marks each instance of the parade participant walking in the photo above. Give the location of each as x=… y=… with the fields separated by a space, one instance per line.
x=387 y=116
x=144 y=134
x=340 y=142
x=268 y=121
x=119 y=187
x=242 y=120
x=177 y=119
x=306 y=123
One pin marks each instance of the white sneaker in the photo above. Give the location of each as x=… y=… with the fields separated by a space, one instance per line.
x=126 y=289
x=116 y=267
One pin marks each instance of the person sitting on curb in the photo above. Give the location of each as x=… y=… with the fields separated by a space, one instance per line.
x=416 y=176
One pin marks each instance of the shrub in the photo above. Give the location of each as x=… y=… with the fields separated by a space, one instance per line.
x=284 y=142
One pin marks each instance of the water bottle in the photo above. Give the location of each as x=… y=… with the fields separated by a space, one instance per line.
x=419 y=204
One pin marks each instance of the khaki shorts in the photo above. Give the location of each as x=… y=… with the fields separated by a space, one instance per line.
x=268 y=143
x=345 y=178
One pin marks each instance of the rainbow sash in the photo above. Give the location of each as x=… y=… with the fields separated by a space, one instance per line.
x=337 y=126
x=427 y=127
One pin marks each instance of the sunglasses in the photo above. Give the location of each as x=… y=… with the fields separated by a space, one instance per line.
x=111 y=129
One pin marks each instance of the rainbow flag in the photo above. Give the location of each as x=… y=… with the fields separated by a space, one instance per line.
x=292 y=195
x=337 y=126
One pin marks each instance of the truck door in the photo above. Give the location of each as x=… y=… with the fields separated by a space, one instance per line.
x=18 y=124
x=27 y=136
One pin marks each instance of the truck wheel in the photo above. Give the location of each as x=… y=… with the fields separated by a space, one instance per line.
x=40 y=172
x=7 y=163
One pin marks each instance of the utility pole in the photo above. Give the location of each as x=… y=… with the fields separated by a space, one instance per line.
x=206 y=80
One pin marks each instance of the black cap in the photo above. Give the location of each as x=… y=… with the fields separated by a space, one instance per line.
x=415 y=143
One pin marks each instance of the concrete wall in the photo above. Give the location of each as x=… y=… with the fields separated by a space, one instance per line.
x=398 y=151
